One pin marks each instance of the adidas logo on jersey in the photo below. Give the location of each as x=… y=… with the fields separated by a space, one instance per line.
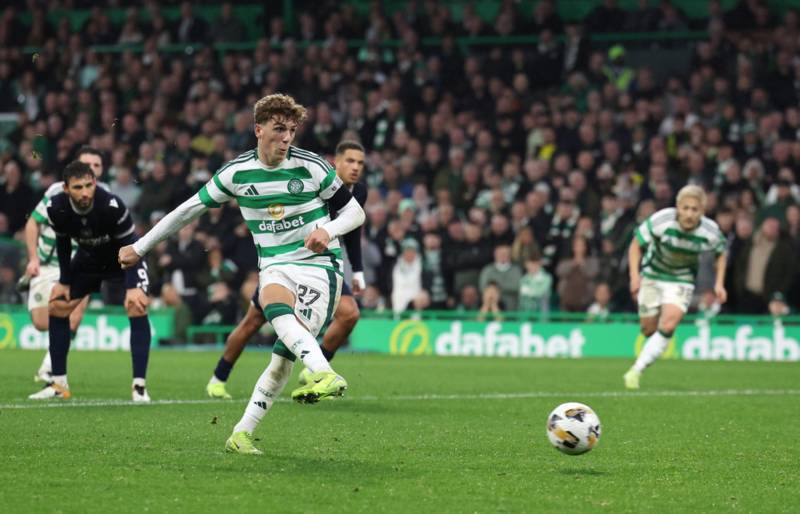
x=251 y=191
x=281 y=226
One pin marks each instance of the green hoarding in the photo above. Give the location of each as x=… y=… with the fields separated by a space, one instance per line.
x=106 y=329
x=699 y=340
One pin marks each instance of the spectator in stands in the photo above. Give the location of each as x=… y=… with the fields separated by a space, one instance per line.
x=576 y=277
x=562 y=226
x=433 y=276
x=182 y=313
x=469 y=254
x=372 y=299
x=469 y=299
x=725 y=120
x=524 y=247
x=8 y=290
x=227 y=28
x=491 y=304
x=16 y=197
x=155 y=192
x=186 y=264
x=218 y=307
x=406 y=276
x=764 y=269
x=505 y=275
x=535 y=287
x=606 y=17
x=190 y=28
x=601 y=307
x=124 y=186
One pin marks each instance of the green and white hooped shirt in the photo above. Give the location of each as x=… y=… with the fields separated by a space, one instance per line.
x=280 y=205
x=671 y=253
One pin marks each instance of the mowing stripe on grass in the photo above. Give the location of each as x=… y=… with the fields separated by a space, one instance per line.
x=426 y=397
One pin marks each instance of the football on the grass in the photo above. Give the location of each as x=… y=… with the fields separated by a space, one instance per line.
x=573 y=428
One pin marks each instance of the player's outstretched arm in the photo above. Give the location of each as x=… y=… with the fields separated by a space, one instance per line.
x=189 y=210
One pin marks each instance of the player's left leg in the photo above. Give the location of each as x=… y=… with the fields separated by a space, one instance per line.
x=136 y=302
x=649 y=302
x=298 y=301
x=671 y=315
x=45 y=371
x=58 y=331
x=269 y=386
x=675 y=299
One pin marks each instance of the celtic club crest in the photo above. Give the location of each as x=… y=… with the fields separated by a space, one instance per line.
x=295 y=186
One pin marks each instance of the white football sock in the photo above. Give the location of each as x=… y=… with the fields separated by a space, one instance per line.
x=139 y=382
x=61 y=380
x=653 y=348
x=47 y=364
x=300 y=342
x=269 y=386
x=215 y=380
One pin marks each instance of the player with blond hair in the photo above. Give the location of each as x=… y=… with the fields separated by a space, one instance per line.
x=662 y=281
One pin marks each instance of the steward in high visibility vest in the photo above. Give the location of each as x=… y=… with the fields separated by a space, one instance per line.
x=616 y=72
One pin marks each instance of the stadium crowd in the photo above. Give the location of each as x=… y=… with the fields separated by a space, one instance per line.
x=501 y=177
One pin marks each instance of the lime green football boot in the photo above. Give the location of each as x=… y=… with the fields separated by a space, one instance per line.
x=241 y=442
x=217 y=390
x=320 y=385
x=304 y=376
x=632 y=379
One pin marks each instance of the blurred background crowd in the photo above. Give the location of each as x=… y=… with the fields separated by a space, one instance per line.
x=510 y=151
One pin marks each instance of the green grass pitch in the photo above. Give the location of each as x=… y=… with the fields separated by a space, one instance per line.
x=414 y=434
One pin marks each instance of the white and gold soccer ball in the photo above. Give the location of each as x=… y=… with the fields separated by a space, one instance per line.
x=573 y=428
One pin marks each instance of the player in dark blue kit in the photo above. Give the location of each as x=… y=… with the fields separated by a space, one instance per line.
x=101 y=224
x=349 y=164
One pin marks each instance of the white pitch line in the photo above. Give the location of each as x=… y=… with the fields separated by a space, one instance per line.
x=425 y=397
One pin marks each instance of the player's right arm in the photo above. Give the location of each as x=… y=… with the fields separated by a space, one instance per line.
x=216 y=192
x=37 y=217
x=181 y=216
x=642 y=236
x=31 y=240
x=634 y=258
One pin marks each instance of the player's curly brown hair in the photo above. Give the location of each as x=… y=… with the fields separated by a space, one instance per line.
x=278 y=106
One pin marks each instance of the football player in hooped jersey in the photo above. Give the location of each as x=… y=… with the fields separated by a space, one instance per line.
x=349 y=165
x=100 y=223
x=285 y=195
x=672 y=240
